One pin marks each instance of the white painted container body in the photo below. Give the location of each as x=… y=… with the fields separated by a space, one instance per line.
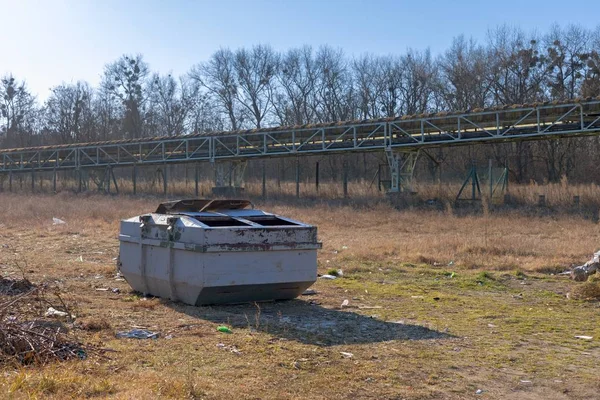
x=224 y=256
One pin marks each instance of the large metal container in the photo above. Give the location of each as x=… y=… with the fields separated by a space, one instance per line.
x=217 y=251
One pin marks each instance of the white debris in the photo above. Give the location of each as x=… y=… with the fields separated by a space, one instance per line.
x=57 y=221
x=345 y=303
x=582 y=272
x=327 y=276
x=52 y=312
x=584 y=337
x=346 y=354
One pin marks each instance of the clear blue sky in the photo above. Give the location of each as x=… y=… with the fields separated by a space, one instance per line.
x=47 y=42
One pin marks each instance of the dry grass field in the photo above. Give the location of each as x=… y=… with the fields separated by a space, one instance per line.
x=440 y=307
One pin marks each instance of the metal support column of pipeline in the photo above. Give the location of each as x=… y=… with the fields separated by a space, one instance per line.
x=394 y=165
x=230 y=173
x=280 y=175
x=264 y=179
x=491 y=179
x=107 y=178
x=297 y=177
x=114 y=178
x=379 y=177
x=32 y=180
x=345 y=178
x=317 y=177
x=134 y=179
x=165 y=180
x=54 y=180
x=10 y=178
x=196 y=178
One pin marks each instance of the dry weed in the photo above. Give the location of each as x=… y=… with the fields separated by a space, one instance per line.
x=586 y=291
x=93 y=324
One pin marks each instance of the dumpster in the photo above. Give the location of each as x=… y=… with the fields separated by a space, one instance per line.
x=217 y=251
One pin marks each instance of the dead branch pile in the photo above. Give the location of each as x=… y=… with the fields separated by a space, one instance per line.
x=27 y=338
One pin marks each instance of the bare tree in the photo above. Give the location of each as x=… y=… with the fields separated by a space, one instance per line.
x=171 y=103
x=17 y=108
x=366 y=81
x=390 y=77
x=255 y=70
x=126 y=80
x=69 y=113
x=218 y=77
x=296 y=79
x=567 y=55
x=518 y=68
x=591 y=82
x=334 y=90
x=464 y=71
x=419 y=81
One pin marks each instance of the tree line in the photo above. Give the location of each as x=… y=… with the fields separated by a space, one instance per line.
x=258 y=87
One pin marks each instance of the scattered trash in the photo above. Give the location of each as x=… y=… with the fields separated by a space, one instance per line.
x=524 y=381
x=345 y=303
x=115 y=290
x=102 y=289
x=582 y=272
x=52 y=312
x=327 y=276
x=369 y=307
x=584 y=337
x=436 y=298
x=138 y=334
x=231 y=348
x=346 y=354
x=451 y=263
x=224 y=329
x=169 y=337
x=416 y=297
x=57 y=221
x=340 y=272
x=478 y=391
x=344 y=247
x=80 y=259
x=309 y=292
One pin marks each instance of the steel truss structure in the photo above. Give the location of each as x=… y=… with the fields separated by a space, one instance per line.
x=405 y=134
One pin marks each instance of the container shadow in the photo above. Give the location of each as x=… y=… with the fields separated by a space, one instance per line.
x=309 y=323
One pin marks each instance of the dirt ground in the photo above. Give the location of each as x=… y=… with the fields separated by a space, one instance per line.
x=439 y=307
